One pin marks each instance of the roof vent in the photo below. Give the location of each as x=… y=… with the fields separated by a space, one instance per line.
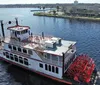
x=50 y=44
x=57 y=40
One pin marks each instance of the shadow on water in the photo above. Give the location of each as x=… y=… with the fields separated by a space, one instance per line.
x=29 y=78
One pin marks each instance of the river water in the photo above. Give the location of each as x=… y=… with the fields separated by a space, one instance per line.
x=85 y=33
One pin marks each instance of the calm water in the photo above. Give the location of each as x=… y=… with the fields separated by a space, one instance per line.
x=86 y=34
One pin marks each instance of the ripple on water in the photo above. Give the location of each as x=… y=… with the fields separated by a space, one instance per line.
x=5 y=77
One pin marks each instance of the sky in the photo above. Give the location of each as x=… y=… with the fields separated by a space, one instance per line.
x=45 y=1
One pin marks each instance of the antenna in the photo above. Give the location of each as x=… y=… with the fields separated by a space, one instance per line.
x=16 y=21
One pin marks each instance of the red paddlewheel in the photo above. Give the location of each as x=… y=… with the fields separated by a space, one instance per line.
x=81 y=69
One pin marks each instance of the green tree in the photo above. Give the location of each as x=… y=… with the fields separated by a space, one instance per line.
x=44 y=9
x=54 y=12
x=57 y=8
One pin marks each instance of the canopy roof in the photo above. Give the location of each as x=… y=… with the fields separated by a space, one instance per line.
x=18 y=28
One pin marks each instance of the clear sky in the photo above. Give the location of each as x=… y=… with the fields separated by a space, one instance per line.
x=45 y=1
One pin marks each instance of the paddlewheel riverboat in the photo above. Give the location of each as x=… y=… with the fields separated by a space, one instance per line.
x=48 y=56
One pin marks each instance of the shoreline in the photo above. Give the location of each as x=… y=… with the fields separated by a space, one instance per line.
x=68 y=17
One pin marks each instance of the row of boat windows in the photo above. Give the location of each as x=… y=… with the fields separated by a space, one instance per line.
x=28 y=51
x=16 y=58
x=20 y=32
x=50 y=68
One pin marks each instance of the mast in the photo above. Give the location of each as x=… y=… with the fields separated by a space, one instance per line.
x=16 y=21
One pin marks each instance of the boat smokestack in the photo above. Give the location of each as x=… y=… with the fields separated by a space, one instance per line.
x=43 y=35
x=2 y=27
x=16 y=21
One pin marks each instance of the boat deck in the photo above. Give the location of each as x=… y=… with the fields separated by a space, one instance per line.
x=38 y=43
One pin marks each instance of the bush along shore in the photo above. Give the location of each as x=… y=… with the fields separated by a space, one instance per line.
x=67 y=16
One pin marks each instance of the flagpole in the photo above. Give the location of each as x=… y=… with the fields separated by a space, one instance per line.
x=16 y=21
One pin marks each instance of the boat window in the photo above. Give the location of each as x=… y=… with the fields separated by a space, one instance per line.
x=7 y=55
x=52 y=68
x=19 y=49
x=11 y=56
x=9 y=46
x=15 y=33
x=22 y=32
x=46 y=67
x=26 y=30
x=4 y=53
x=46 y=56
x=54 y=57
x=14 y=48
x=24 y=51
x=56 y=69
x=25 y=61
x=18 y=32
x=30 y=52
x=16 y=58
x=49 y=68
x=41 y=65
x=60 y=59
x=21 y=60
